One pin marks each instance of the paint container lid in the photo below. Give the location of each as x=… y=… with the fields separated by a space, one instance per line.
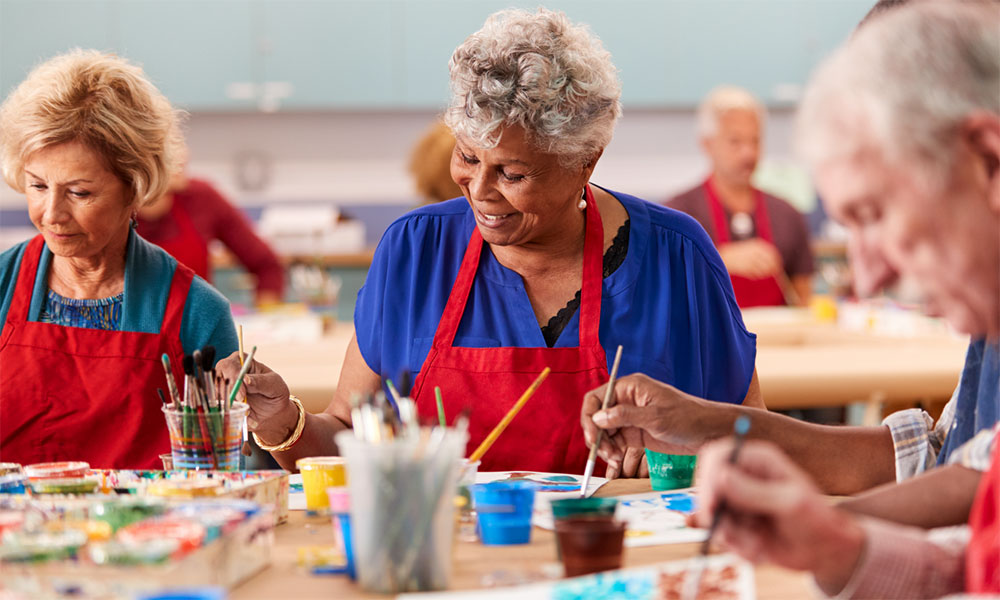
x=56 y=470
x=64 y=485
x=583 y=507
x=11 y=520
x=7 y=468
x=41 y=546
x=185 y=488
x=189 y=534
x=320 y=463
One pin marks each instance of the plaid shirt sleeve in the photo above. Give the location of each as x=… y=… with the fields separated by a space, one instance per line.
x=976 y=453
x=905 y=562
x=917 y=439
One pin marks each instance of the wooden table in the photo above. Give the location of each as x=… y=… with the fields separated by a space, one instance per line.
x=801 y=364
x=473 y=561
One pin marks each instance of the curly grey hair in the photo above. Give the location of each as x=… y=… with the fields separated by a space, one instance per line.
x=903 y=85
x=541 y=72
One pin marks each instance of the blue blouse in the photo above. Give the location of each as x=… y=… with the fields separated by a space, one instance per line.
x=102 y=313
x=670 y=303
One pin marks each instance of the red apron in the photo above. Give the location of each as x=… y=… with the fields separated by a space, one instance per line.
x=546 y=434
x=69 y=393
x=982 y=558
x=188 y=247
x=749 y=292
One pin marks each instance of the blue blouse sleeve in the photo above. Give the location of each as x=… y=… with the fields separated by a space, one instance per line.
x=10 y=264
x=708 y=351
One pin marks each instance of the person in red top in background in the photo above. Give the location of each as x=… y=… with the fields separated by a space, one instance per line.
x=193 y=213
x=763 y=240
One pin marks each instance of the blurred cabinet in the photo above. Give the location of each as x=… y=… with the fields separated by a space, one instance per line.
x=195 y=51
x=350 y=54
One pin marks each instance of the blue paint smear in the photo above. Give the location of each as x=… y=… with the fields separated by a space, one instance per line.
x=616 y=586
x=569 y=478
x=682 y=503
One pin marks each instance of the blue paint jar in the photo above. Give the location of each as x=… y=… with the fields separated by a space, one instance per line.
x=504 y=511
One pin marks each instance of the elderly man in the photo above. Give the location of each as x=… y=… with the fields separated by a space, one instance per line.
x=902 y=129
x=763 y=240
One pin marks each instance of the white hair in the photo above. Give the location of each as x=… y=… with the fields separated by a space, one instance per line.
x=541 y=72
x=903 y=84
x=722 y=100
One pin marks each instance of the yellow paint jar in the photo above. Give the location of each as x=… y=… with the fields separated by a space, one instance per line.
x=319 y=473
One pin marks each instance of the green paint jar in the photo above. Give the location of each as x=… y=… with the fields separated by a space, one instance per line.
x=670 y=471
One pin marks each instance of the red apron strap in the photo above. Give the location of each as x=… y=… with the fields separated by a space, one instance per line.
x=174 y=313
x=718 y=214
x=761 y=219
x=593 y=275
x=20 y=303
x=453 y=310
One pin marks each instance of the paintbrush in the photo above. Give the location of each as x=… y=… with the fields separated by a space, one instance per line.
x=171 y=384
x=440 y=406
x=609 y=393
x=242 y=374
x=239 y=337
x=693 y=578
x=492 y=437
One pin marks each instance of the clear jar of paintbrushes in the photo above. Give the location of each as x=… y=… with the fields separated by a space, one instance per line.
x=402 y=506
x=206 y=439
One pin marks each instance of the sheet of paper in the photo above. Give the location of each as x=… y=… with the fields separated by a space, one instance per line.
x=296 y=495
x=652 y=519
x=725 y=577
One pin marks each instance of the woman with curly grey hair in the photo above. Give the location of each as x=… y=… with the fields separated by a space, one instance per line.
x=87 y=307
x=534 y=267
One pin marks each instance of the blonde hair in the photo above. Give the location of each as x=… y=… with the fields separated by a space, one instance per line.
x=722 y=100
x=542 y=72
x=430 y=164
x=102 y=101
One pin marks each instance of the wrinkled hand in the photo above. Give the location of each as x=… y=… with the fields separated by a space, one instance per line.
x=267 y=395
x=644 y=413
x=755 y=259
x=774 y=512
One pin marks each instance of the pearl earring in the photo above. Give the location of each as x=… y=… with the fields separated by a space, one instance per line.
x=582 y=204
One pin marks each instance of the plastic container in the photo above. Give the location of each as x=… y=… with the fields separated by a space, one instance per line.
x=402 y=509
x=340 y=508
x=12 y=483
x=209 y=441
x=57 y=470
x=590 y=545
x=185 y=488
x=504 y=511
x=318 y=474
x=125 y=510
x=670 y=471
x=583 y=507
x=65 y=485
x=168 y=461
x=8 y=468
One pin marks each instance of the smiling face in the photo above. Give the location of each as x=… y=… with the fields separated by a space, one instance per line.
x=942 y=236
x=78 y=205
x=735 y=148
x=519 y=195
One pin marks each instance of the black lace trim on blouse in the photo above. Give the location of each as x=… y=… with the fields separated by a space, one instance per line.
x=613 y=259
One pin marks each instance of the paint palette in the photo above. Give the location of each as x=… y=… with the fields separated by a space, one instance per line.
x=725 y=577
x=651 y=519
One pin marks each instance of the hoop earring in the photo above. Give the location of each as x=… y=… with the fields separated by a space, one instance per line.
x=582 y=204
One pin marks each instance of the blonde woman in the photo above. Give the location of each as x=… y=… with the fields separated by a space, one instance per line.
x=87 y=307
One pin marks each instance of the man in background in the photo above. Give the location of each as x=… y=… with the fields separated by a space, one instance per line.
x=763 y=240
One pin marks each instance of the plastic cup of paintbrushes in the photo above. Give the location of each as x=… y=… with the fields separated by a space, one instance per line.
x=206 y=440
x=504 y=511
x=590 y=544
x=402 y=494
x=318 y=474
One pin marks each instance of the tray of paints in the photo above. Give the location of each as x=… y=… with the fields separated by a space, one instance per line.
x=117 y=546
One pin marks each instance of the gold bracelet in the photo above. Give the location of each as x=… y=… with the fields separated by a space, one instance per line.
x=296 y=434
